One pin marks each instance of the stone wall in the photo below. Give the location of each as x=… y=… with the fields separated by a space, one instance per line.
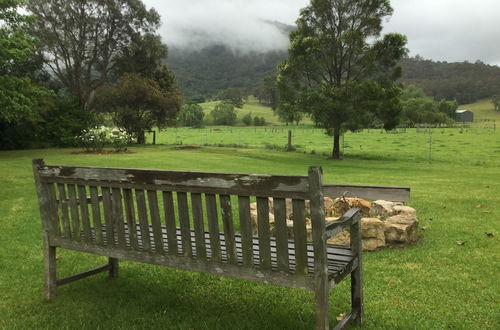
x=384 y=223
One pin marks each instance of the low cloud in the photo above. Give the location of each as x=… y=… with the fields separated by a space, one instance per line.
x=446 y=30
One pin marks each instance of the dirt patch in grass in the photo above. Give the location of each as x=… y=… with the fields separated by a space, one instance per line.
x=186 y=148
x=102 y=152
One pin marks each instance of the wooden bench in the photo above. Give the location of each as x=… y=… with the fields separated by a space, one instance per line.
x=188 y=220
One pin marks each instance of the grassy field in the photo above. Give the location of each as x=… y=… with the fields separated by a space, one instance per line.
x=483 y=110
x=253 y=107
x=434 y=284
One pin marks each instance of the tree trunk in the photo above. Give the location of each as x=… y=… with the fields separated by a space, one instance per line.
x=336 y=143
x=141 y=137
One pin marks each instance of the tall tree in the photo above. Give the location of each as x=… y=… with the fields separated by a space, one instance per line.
x=83 y=40
x=342 y=72
x=138 y=103
x=18 y=94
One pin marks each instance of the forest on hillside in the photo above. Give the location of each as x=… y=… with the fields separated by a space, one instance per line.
x=202 y=74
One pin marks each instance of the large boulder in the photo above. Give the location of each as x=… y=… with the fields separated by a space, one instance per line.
x=372 y=235
x=401 y=229
x=381 y=209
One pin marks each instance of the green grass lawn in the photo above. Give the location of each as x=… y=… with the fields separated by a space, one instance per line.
x=434 y=284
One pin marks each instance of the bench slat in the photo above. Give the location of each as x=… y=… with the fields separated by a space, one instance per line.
x=245 y=229
x=64 y=210
x=96 y=213
x=263 y=231
x=281 y=232
x=84 y=211
x=182 y=203
x=213 y=226
x=143 y=218
x=227 y=222
x=117 y=208
x=197 y=206
x=300 y=235
x=52 y=205
x=168 y=206
x=73 y=207
x=108 y=216
x=154 y=213
x=197 y=182
x=130 y=216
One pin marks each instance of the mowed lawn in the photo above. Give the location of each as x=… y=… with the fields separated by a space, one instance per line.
x=434 y=284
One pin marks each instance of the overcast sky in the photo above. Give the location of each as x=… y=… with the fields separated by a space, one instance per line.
x=446 y=30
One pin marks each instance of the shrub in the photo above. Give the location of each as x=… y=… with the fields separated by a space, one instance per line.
x=95 y=139
x=259 y=121
x=247 y=119
x=224 y=114
x=119 y=138
x=192 y=115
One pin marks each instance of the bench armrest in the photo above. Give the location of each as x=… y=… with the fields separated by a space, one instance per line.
x=350 y=218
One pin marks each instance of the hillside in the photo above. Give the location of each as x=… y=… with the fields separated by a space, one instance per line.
x=466 y=82
x=203 y=73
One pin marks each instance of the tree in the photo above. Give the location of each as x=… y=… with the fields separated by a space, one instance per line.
x=235 y=96
x=224 y=114
x=192 y=115
x=342 y=73
x=247 y=119
x=84 y=40
x=496 y=102
x=18 y=94
x=138 y=104
x=448 y=107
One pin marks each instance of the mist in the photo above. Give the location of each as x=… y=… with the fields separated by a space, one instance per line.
x=238 y=24
x=445 y=30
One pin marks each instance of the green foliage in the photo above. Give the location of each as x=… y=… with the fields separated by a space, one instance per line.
x=18 y=95
x=62 y=119
x=419 y=108
x=496 y=102
x=247 y=119
x=267 y=92
x=465 y=82
x=204 y=73
x=259 y=121
x=339 y=70
x=235 y=96
x=84 y=40
x=138 y=104
x=224 y=114
x=192 y=115
x=448 y=107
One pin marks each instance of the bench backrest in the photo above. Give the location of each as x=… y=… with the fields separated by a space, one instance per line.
x=77 y=202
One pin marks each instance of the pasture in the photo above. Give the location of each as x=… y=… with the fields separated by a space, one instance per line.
x=433 y=284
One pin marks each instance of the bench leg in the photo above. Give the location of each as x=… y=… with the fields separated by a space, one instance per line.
x=321 y=297
x=357 y=294
x=113 y=271
x=50 y=271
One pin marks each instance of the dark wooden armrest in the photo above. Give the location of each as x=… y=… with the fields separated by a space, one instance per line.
x=351 y=217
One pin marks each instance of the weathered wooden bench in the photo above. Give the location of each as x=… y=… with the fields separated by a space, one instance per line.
x=173 y=219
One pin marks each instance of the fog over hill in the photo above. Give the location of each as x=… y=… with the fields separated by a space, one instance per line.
x=444 y=30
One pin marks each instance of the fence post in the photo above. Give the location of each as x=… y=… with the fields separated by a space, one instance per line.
x=289 y=148
x=430 y=147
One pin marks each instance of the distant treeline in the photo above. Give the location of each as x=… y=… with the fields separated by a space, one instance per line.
x=204 y=73
x=463 y=81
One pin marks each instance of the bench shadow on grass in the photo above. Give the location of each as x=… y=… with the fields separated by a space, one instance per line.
x=153 y=297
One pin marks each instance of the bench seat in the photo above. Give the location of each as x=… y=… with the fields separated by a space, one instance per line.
x=340 y=259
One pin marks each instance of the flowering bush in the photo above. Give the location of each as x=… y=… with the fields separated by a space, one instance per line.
x=96 y=138
x=119 y=138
